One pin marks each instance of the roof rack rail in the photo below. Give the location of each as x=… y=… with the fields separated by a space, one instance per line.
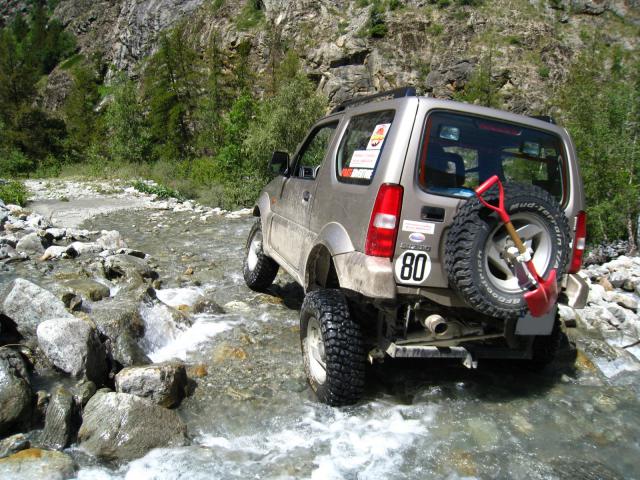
x=396 y=93
x=545 y=118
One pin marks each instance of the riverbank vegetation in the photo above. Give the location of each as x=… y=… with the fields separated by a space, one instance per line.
x=204 y=123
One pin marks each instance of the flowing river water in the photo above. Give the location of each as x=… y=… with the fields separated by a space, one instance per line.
x=251 y=414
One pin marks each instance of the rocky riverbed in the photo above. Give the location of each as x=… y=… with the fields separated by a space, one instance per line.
x=132 y=349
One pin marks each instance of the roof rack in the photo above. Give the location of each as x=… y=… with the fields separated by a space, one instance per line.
x=396 y=93
x=545 y=118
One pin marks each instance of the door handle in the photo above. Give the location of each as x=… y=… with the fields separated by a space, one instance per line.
x=306 y=196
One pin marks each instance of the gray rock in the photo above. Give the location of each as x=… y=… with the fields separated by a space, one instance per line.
x=596 y=293
x=91 y=289
x=73 y=346
x=13 y=444
x=625 y=300
x=28 y=305
x=58 y=427
x=15 y=390
x=618 y=278
x=57 y=233
x=119 y=320
x=128 y=266
x=83 y=391
x=54 y=251
x=163 y=384
x=30 y=244
x=35 y=463
x=123 y=426
x=588 y=7
x=83 y=248
x=111 y=239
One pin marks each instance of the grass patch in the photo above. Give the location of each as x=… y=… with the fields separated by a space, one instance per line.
x=250 y=16
x=13 y=192
x=156 y=189
x=71 y=62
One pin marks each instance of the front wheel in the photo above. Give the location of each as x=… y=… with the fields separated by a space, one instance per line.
x=259 y=270
x=332 y=348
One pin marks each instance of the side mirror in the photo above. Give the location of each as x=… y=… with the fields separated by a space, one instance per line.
x=279 y=162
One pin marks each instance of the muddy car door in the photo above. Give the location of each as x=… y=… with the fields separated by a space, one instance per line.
x=290 y=224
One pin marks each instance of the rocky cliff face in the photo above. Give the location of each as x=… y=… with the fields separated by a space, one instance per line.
x=437 y=49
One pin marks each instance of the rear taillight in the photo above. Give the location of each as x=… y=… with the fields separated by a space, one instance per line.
x=383 y=226
x=579 y=242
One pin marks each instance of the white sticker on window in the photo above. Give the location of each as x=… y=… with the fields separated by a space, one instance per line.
x=378 y=135
x=364 y=159
x=419 y=227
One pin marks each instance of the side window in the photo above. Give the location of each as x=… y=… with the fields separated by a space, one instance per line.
x=362 y=145
x=312 y=153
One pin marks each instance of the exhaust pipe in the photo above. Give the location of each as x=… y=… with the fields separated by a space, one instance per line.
x=436 y=324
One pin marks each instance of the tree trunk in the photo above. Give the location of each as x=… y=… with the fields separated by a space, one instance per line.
x=633 y=247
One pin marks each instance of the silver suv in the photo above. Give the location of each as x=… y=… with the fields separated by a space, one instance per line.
x=377 y=218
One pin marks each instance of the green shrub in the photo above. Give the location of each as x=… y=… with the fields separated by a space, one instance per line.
x=13 y=192
x=155 y=189
x=14 y=163
x=250 y=16
x=544 y=71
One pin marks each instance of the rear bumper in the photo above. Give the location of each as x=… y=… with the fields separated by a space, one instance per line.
x=370 y=276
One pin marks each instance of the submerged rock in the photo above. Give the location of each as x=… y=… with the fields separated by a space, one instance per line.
x=163 y=384
x=35 y=463
x=13 y=444
x=91 y=289
x=15 y=390
x=73 y=346
x=28 y=305
x=31 y=244
x=124 y=426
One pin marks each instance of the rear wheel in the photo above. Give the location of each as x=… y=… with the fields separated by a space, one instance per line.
x=258 y=269
x=332 y=348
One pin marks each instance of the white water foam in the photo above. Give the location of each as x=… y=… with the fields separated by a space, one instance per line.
x=175 y=297
x=204 y=328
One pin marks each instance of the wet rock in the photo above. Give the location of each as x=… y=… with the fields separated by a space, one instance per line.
x=111 y=240
x=91 y=289
x=54 y=251
x=13 y=444
x=57 y=233
x=30 y=244
x=35 y=463
x=128 y=266
x=73 y=346
x=28 y=305
x=82 y=248
x=58 y=427
x=72 y=301
x=124 y=426
x=83 y=391
x=163 y=384
x=630 y=285
x=15 y=390
x=121 y=323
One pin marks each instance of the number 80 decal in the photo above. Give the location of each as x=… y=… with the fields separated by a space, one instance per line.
x=413 y=266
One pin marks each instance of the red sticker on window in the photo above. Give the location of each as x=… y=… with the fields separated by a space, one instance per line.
x=347 y=172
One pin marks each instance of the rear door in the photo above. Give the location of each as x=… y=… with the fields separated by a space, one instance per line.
x=292 y=208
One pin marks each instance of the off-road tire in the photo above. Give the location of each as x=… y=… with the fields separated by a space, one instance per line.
x=341 y=337
x=468 y=238
x=545 y=347
x=264 y=269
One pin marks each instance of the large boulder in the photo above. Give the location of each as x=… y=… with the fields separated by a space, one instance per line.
x=58 y=424
x=123 y=426
x=13 y=444
x=28 y=305
x=88 y=288
x=15 y=390
x=163 y=384
x=35 y=463
x=119 y=320
x=31 y=244
x=73 y=346
x=117 y=266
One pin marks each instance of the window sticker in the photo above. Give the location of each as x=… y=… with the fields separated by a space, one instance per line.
x=418 y=227
x=364 y=159
x=361 y=173
x=378 y=135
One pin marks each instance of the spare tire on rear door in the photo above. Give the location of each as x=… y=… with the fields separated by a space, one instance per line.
x=476 y=258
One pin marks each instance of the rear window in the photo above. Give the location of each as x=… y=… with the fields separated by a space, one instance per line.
x=362 y=145
x=461 y=151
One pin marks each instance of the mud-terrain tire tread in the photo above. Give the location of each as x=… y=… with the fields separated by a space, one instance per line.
x=344 y=350
x=545 y=348
x=261 y=277
x=473 y=224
